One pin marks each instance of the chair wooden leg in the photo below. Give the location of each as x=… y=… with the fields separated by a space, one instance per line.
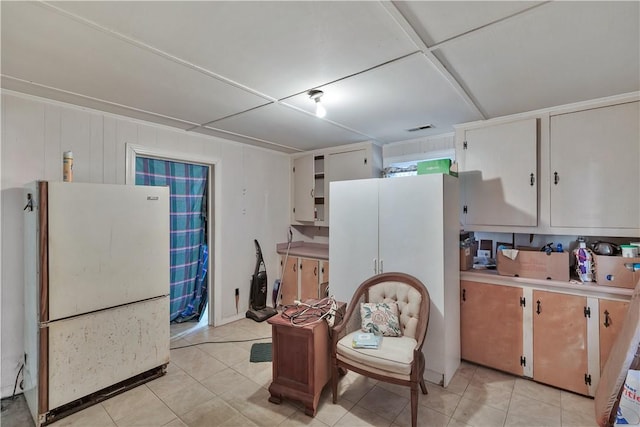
x=423 y=386
x=334 y=383
x=414 y=405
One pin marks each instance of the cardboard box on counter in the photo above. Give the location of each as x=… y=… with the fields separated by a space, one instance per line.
x=534 y=264
x=466 y=257
x=611 y=271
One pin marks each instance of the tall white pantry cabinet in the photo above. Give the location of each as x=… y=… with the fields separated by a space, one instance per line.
x=404 y=224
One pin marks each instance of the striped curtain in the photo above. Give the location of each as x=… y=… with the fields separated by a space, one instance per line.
x=187 y=184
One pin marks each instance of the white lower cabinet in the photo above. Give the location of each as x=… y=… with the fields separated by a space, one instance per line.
x=556 y=338
x=409 y=225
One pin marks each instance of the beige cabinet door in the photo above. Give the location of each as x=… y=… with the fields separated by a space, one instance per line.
x=612 y=314
x=560 y=340
x=595 y=158
x=324 y=281
x=309 y=278
x=289 y=282
x=491 y=325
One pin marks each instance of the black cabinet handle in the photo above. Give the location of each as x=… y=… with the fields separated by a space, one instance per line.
x=464 y=295
x=607 y=321
x=532 y=179
x=538 y=307
x=315 y=271
x=556 y=178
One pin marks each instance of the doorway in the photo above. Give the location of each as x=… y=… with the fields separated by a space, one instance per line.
x=189 y=251
x=193 y=254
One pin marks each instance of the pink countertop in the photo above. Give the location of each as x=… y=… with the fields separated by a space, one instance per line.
x=305 y=250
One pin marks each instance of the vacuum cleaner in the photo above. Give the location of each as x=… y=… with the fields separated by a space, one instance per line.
x=258 y=309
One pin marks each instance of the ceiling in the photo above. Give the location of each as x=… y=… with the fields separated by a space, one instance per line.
x=241 y=70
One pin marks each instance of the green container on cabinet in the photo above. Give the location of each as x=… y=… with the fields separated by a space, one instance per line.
x=436 y=166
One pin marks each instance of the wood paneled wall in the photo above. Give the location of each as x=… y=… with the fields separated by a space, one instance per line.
x=253 y=182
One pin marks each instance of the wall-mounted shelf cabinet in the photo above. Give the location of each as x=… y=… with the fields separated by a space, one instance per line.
x=312 y=173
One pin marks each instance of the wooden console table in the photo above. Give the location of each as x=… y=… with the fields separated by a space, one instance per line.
x=301 y=361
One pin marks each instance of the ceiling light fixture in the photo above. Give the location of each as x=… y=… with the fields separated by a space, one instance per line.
x=316 y=95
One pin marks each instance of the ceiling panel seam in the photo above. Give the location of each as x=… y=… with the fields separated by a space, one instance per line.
x=236 y=114
x=98 y=100
x=226 y=132
x=340 y=125
x=292 y=107
x=415 y=38
x=357 y=73
x=157 y=51
x=476 y=30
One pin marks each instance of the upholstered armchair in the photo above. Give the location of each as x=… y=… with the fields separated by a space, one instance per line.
x=398 y=360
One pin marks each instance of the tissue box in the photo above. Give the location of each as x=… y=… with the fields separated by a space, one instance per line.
x=534 y=264
x=610 y=271
x=435 y=166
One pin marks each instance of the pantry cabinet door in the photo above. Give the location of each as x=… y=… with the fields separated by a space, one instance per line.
x=499 y=175
x=353 y=239
x=611 y=316
x=595 y=159
x=560 y=340
x=491 y=325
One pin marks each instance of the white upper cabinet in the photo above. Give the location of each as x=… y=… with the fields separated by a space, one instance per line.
x=595 y=168
x=588 y=158
x=312 y=173
x=498 y=173
x=349 y=165
x=303 y=188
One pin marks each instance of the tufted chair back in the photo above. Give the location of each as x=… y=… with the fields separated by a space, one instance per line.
x=408 y=299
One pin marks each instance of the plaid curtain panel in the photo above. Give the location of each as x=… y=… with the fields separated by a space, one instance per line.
x=187 y=184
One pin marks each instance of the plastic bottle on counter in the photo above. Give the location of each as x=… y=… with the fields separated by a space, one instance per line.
x=584 y=262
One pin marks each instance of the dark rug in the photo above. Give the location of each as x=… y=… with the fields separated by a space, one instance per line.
x=261 y=352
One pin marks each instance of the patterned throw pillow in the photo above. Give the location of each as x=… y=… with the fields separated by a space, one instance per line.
x=380 y=318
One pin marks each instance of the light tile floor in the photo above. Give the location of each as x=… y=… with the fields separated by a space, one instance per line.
x=216 y=385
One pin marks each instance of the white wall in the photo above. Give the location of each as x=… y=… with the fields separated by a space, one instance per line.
x=254 y=186
x=418 y=149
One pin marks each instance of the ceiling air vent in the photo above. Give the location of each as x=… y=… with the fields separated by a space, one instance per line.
x=420 y=128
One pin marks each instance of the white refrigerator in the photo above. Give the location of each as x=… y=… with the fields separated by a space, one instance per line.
x=96 y=292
